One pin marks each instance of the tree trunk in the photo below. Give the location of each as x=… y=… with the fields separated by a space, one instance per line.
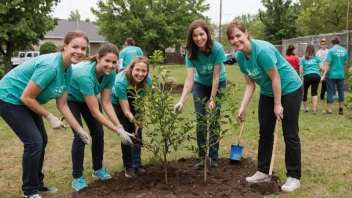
x=7 y=62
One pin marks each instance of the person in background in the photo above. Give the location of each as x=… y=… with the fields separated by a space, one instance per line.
x=334 y=73
x=129 y=52
x=206 y=74
x=24 y=90
x=310 y=70
x=90 y=79
x=292 y=58
x=322 y=53
x=134 y=75
x=280 y=99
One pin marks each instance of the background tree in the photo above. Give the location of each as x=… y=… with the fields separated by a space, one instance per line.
x=253 y=24
x=279 y=20
x=153 y=24
x=47 y=48
x=23 y=23
x=74 y=16
x=322 y=16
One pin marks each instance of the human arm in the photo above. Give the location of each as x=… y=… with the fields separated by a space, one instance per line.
x=346 y=68
x=61 y=104
x=215 y=86
x=28 y=98
x=248 y=93
x=276 y=86
x=107 y=106
x=326 y=70
x=187 y=88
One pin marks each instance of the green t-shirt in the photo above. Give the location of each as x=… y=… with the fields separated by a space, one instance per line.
x=337 y=57
x=204 y=65
x=264 y=57
x=84 y=81
x=120 y=89
x=310 y=66
x=128 y=53
x=45 y=70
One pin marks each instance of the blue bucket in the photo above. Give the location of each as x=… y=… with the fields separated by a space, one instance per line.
x=236 y=152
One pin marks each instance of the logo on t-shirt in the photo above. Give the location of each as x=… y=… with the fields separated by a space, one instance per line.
x=254 y=74
x=340 y=53
x=58 y=91
x=206 y=69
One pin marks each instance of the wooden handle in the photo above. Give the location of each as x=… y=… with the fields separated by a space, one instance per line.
x=239 y=139
x=276 y=133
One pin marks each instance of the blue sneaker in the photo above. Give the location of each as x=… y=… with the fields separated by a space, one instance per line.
x=79 y=184
x=101 y=174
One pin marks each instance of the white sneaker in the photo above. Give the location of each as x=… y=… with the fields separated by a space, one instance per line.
x=257 y=177
x=291 y=185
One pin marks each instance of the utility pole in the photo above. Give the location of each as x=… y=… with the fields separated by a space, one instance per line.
x=220 y=21
x=348 y=10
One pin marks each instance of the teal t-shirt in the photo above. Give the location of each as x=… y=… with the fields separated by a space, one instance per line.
x=264 y=57
x=45 y=70
x=310 y=66
x=120 y=89
x=204 y=65
x=128 y=53
x=337 y=57
x=84 y=81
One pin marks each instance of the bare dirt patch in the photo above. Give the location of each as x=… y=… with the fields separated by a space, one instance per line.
x=184 y=180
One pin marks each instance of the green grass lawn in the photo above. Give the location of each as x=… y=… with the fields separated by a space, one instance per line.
x=326 y=149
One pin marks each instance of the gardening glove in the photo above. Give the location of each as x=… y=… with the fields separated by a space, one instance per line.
x=55 y=122
x=84 y=135
x=125 y=136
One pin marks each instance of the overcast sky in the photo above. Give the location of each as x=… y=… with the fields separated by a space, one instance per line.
x=230 y=9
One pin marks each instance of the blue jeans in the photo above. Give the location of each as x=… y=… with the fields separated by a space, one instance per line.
x=131 y=155
x=330 y=88
x=97 y=134
x=29 y=127
x=203 y=91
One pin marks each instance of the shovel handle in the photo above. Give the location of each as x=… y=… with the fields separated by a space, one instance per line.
x=242 y=128
x=276 y=133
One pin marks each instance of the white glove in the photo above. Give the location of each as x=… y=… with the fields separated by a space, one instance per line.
x=84 y=135
x=125 y=136
x=54 y=121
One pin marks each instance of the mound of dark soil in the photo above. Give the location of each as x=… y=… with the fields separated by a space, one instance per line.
x=184 y=180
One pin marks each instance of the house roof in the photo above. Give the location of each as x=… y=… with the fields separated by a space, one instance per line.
x=64 y=26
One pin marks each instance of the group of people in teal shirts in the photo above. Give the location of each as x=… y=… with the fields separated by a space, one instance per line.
x=75 y=85
x=327 y=67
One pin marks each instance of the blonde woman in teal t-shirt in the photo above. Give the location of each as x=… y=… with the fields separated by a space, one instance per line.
x=90 y=79
x=23 y=91
x=280 y=99
x=206 y=74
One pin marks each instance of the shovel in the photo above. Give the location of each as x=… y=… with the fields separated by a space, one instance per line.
x=236 y=150
x=276 y=133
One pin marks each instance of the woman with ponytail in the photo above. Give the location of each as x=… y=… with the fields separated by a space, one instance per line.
x=90 y=79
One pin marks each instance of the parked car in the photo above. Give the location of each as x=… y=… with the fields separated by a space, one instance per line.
x=22 y=57
x=230 y=59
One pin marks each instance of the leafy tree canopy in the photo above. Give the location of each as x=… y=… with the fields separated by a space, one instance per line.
x=323 y=16
x=279 y=20
x=153 y=24
x=23 y=23
x=47 y=48
x=75 y=16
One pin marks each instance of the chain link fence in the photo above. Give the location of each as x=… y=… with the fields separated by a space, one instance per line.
x=301 y=43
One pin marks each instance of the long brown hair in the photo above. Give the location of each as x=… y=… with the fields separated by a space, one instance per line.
x=239 y=25
x=128 y=71
x=310 y=52
x=72 y=35
x=105 y=49
x=191 y=47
